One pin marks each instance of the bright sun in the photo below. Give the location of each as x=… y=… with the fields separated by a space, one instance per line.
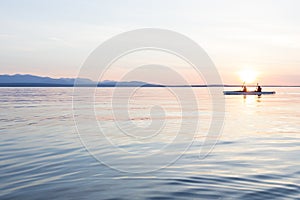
x=248 y=76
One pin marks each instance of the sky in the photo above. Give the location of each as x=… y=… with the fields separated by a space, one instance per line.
x=55 y=37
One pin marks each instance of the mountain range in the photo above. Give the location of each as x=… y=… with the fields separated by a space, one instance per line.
x=28 y=80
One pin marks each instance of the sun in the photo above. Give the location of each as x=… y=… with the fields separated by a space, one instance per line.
x=248 y=75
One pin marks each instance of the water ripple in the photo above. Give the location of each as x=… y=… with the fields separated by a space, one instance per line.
x=41 y=155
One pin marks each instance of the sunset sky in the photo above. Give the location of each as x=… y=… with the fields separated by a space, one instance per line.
x=54 y=37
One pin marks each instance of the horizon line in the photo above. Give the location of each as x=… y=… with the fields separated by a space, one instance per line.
x=2 y=85
x=146 y=84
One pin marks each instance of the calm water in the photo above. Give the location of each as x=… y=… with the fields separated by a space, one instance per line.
x=41 y=155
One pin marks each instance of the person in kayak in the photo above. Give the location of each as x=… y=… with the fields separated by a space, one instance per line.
x=258 y=88
x=244 y=88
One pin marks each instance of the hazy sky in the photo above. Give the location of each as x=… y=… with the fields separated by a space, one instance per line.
x=54 y=37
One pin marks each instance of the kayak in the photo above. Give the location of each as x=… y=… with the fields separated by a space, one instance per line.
x=246 y=93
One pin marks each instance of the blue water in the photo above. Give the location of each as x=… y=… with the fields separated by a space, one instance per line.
x=42 y=156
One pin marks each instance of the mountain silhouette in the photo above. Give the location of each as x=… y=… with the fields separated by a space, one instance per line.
x=28 y=80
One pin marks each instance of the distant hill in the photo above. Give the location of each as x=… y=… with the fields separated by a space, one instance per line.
x=27 y=80
x=31 y=80
x=108 y=83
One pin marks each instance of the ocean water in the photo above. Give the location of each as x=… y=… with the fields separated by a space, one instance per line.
x=50 y=151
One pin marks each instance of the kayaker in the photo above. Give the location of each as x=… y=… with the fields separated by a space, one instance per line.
x=258 y=89
x=244 y=88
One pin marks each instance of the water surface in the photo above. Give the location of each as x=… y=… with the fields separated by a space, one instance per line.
x=41 y=155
